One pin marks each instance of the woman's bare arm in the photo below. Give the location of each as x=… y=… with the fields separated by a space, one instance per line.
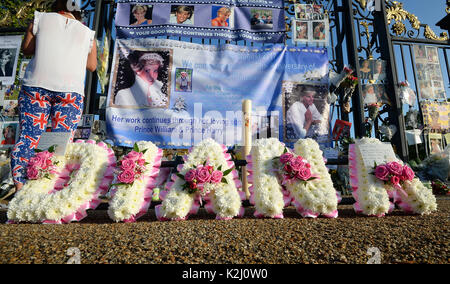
x=92 y=58
x=29 y=43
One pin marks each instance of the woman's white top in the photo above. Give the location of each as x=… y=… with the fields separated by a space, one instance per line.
x=61 y=53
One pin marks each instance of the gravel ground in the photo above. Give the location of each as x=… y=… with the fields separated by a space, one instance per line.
x=398 y=238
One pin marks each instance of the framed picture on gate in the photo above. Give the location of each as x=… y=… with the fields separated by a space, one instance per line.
x=435 y=143
x=341 y=129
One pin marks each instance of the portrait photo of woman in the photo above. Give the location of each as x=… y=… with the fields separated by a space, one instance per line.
x=145 y=81
x=301 y=31
x=9 y=132
x=7 y=57
x=182 y=15
x=220 y=16
x=365 y=69
x=141 y=15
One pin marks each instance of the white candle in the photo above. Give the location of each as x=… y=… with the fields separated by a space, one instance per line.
x=247 y=140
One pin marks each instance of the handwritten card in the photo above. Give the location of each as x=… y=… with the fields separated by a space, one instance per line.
x=376 y=153
x=49 y=139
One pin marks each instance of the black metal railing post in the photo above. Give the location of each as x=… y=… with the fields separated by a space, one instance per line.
x=91 y=77
x=381 y=28
x=353 y=60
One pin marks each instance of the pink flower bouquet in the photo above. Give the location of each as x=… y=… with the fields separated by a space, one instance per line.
x=131 y=168
x=41 y=166
x=293 y=168
x=197 y=177
x=393 y=173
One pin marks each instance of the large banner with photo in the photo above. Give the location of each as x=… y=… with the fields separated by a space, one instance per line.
x=252 y=20
x=176 y=93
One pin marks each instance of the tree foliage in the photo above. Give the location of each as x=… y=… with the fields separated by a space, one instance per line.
x=19 y=13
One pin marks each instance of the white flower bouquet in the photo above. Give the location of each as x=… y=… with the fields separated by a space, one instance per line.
x=318 y=196
x=279 y=178
x=221 y=195
x=136 y=177
x=373 y=187
x=80 y=177
x=267 y=194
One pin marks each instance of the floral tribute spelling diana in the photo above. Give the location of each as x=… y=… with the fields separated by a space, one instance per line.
x=280 y=177
x=136 y=176
x=61 y=188
x=207 y=175
x=374 y=186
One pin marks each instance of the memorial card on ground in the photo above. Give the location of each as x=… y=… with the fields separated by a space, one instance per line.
x=376 y=153
x=58 y=139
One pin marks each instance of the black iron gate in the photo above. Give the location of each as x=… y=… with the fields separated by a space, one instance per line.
x=355 y=33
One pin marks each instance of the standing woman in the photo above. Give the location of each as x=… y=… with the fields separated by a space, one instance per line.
x=53 y=86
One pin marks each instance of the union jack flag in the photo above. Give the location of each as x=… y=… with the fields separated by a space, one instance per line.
x=36 y=98
x=69 y=100
x=40 y=120
x=59 y=119
x=34 y=142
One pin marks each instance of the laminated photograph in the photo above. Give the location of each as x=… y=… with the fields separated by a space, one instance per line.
x=10 y=133
x=9 y=55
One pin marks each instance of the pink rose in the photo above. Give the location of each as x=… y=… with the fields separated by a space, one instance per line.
x=37 y=161
x=297 y=163
x=216 y=176
x=32 y=172
x=190 y=175
x=203 y=175
x=408 y=173
x=395 y=168
x=45 y=155
x=286 y=157
x=48 y=163
x=382 y=172
x=133 y=155
x=210 y=169
x=126 y=176
x=395 y=180
x=141 y=162
x=287 y=168
x=304 y=174
x=127 y=164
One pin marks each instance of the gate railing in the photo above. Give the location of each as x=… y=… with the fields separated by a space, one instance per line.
x=355 y=34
